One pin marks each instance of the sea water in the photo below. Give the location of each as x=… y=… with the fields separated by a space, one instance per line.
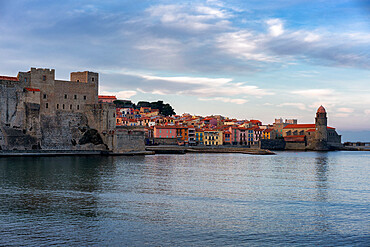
x=292 y=198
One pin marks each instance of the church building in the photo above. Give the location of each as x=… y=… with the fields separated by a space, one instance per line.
x=317 y=136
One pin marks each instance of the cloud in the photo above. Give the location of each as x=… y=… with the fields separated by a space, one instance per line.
x=314 y=93
x=300 y=106
x=346 y=110
x=190 y=18
x=341 y=115
x=226 y=100
x=224 y=89
x=119 y=94
x=244 y=45
x=275 y=27
x=367 y=112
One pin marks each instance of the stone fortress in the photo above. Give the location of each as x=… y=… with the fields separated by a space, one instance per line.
x=38 y=112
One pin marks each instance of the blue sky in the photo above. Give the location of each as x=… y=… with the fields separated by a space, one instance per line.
x=242 y=59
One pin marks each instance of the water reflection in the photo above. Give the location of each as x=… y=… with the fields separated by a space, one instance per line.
x=55 y=185
x=322 y=187
x=301 y=198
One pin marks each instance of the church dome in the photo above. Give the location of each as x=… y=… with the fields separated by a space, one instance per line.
x=321 y=110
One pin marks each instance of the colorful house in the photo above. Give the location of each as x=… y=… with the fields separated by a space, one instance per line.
x=213 y=137
x=199 y=136
x=227 y=137
x=268 y=134
x=182 y=134
x=165 y=131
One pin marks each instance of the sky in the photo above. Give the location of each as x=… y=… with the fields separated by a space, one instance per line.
x=244 y=59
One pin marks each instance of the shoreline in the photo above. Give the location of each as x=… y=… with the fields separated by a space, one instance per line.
x=152 y=150
x=195 y=149
x=55 y=153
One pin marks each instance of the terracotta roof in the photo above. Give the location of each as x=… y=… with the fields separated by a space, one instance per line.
x=165 y=127
x=321 y=109
x=300 y=126
x=106 y=97
x=255 y=121
x=268 y=130
x=303 y=126
x=32 y=89
x=8 y=78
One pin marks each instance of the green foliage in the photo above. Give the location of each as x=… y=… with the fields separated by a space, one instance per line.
x=164 y=109
x=124 y=104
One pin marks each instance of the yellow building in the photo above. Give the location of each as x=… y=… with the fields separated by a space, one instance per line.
x=213 y=137
x=268 y=134
x=199 y=136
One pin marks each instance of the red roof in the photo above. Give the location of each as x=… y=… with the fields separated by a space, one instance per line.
x=8 y=78
x=268 y=130
x=303 y=126
x=300 y=126
x=321 y=109
x=255 y=121
x=32 y=89
x=106 y=97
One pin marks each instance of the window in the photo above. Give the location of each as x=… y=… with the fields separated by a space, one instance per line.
x=44 y=96
x=84 y=97
x=92 y=79
x=25 y=79
x=65 y=96
x=44 y=77
x=47 y=105
x=70 y=107
x=63 y=106
x=78 y=107
x=114 y=115
x=75 y=96
x=57 y=106
x=78 y=80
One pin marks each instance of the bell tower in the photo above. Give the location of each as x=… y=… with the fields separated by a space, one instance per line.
x=321 y=123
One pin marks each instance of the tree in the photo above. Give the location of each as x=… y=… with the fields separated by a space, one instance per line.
x=167 y=110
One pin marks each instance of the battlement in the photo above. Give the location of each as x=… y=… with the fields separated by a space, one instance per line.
x=85 y=77
x=42 y=75
x=43 y=70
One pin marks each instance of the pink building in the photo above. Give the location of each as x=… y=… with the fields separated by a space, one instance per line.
x=234 y=135
x=166 y=131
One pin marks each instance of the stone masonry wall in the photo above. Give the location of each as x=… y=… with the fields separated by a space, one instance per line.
x=273 y=144
x=129 y=139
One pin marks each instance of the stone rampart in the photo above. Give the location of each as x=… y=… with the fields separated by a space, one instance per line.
x=273 y=144
x=129 y=139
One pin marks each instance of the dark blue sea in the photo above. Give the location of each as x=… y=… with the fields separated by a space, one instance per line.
x=290 y=199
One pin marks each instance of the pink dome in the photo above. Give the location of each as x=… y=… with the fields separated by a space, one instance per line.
x=321 y=110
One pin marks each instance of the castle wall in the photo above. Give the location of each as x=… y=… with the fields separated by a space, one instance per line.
x=73 y=96
x=129 y=139
x=295 y=146
x=32 y=114
x=102 y=117
x=272 y=144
